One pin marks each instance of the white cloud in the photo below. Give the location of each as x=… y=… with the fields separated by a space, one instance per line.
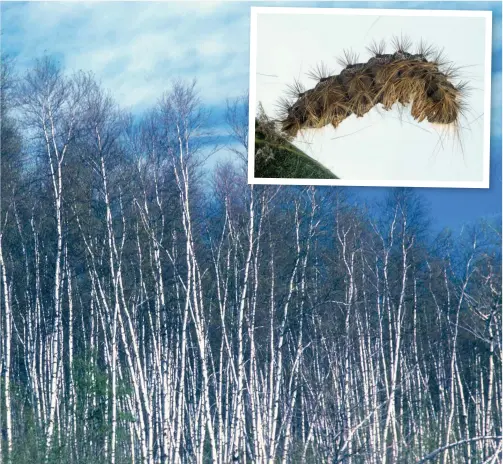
x=135 y=48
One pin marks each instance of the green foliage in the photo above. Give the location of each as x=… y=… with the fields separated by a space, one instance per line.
x=276 y=157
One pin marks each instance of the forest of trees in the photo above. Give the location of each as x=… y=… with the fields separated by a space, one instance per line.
x=153 y=311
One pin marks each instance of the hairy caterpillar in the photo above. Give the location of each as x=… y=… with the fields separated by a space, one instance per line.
x=422 y=79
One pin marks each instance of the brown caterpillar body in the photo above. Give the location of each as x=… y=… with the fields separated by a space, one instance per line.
x=420 y=79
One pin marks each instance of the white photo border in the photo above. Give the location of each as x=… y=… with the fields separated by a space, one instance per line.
x=255 y=11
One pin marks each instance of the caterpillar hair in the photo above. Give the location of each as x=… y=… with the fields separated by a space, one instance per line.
x=423 y=80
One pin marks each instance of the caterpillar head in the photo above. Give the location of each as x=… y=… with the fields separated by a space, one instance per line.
x=295 y=117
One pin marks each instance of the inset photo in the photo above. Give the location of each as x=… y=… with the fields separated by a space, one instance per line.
x=370 y=97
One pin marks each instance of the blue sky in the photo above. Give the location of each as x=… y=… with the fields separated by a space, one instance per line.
x=137 y=48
